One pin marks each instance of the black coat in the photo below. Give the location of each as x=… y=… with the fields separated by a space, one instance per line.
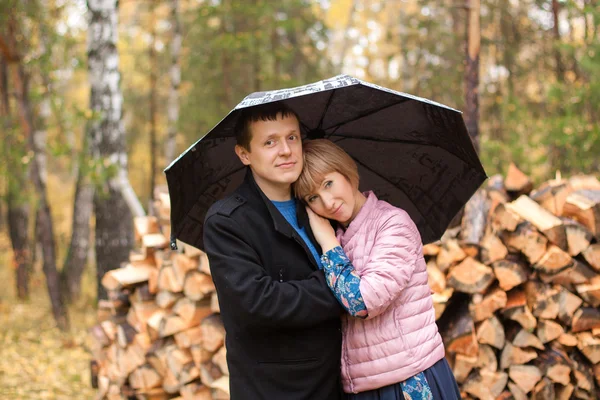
x=282 y=322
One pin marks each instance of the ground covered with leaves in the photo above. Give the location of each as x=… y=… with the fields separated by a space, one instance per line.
x=37 y=361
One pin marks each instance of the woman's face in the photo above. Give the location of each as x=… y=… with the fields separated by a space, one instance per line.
x=335 y=198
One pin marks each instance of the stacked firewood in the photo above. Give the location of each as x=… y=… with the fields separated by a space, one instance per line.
x=517 y=290
x=160 y=335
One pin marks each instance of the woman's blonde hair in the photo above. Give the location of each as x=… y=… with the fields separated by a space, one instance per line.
x=321 y=157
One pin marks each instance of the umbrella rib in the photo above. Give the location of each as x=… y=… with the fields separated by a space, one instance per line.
x=326 y=109
x=396 y=186
x=336 y=126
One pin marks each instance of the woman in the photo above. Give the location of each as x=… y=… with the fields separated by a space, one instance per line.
x=375 y=267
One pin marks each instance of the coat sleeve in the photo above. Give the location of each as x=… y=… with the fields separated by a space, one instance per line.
x=251 y=294
x=391 y=263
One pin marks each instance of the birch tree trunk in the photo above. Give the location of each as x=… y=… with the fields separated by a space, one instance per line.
x=472 y=72
x=175 y=74
x=36 y=138
x=114 y=225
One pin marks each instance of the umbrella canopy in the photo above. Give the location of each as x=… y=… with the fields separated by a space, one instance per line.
x=412 y=152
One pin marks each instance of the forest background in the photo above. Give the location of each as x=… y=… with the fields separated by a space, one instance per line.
x=180 y=66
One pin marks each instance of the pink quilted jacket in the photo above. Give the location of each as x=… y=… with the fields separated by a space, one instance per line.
x=399 y=338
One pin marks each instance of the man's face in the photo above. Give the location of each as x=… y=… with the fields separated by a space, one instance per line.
x=275 y=155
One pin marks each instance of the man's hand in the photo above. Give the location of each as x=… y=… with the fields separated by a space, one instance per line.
x=322 y=230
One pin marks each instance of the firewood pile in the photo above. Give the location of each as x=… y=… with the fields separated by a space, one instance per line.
x=516 y=291
x=160 y=335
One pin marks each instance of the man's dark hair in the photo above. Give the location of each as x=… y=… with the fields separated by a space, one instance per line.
x=263 y=112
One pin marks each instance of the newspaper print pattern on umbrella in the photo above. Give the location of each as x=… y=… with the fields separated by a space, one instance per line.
x=413 y=152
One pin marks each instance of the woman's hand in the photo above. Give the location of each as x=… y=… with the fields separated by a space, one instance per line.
x=323 y=231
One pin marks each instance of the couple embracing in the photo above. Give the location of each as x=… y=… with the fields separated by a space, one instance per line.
x=322 y=288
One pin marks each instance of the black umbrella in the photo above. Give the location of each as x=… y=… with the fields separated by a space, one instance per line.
x=412 y=152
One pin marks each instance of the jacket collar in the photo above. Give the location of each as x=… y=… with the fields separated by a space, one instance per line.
x=279 y=222
x=360 y=218
x=252 y=191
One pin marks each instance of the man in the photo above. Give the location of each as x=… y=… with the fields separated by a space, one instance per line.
x=282 y=322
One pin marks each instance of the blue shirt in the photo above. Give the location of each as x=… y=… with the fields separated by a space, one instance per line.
x=288 y=210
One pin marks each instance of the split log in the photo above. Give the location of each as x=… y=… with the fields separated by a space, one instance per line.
x=220 y=388
x=491 y=332
x=209 y=373
x=474 y=221
x=195 y=391
x=592 y=256
x=525 y=376
x=584 y=206
x=527 y=240
x=450 y=254
x=197 y=285
x=590 y=292
x=168 y=281
x=220 y=360
x=567 y=340
x=504 y=219
x=564 y=392
x=431 y=249
x=213 y=333
x=181 y=265
x=166 y=299
x=578 y=236
x=484 y=307
x=486 y=384
x=589 y=346
x=154 y=241
x=552 y=195
x=517 y=310
x=510 y=273
x=542 y=300
x=516 y=391
x=458 y=332
x=524 y=339
x=435 y=277
x=577 y=273
x=553 y=261
x=516 y=181
x=548 y=330
x=463 y=365
x=145 y=225
x=543 y=390
x=470 y=276
x=122 y=277
x=492 y=248
x=191 y=336
x=547 y=223
x=145 y=377
x=554 y=365
x=585 y=319
x=512 y=355
x=487 y=358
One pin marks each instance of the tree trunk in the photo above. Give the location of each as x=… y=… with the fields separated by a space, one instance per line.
x=114 y=225
x=173 y=105
x=36 y=143
x=18 y=219
x=560 y=69
x=153 y=94
x=77 y=254
x=472 y=72
x=17 y=208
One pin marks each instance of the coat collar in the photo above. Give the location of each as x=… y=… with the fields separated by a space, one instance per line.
x=254 y=191
x=360 y=218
